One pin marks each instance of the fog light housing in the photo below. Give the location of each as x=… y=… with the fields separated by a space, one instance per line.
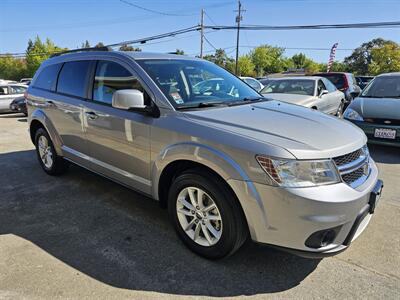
x=322 y=238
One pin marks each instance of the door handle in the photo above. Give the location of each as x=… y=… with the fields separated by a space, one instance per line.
x=91 y=115
x=49 y=103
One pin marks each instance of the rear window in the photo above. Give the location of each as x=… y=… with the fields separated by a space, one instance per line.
x=336 y=79
x=47 y=77
x=73 y=78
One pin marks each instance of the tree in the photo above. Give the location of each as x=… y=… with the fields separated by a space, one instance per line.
x=385 y=59
x=358 y=62
x=99 y=45
x=129 y=48
x=219 y=57
x=179 y=52
x=86 y=44
x=268 y=59
x=12 y=68
x=245 y=66
x=37 y=52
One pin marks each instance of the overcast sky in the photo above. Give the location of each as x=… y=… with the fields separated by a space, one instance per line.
x=70 y=22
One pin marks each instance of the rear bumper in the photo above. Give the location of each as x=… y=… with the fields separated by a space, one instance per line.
x=287 y=218
x=369 y=130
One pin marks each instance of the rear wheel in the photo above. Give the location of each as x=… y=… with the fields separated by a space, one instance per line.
x=50 y=162
x=205 y=214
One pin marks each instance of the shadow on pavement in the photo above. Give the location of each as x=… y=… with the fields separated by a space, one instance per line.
x=385 y=154
x=124 y=239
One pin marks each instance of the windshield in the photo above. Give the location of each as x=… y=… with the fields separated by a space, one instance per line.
x=290 y=86
x=383 y=87
x=191 y=83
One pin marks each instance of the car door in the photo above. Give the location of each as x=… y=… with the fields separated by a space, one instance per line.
x=5 y=98
x=335 y=96
x=64 y=105
x=323 y=102
x=118 y=139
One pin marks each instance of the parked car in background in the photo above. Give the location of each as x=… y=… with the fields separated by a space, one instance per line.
x=19 y=105
x=254 y=83
x=377 y=110
x=26 y=81
x=264 y=81
x=227 y=163
x=362 y=81
x=344 y=82
x=313 y=92
x=8 y=92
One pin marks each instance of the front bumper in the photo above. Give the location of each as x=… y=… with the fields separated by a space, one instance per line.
x=287 y=217
x=369 y=130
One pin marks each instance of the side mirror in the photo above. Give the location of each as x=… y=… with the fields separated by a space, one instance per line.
x=128 y=99
x=323 y=92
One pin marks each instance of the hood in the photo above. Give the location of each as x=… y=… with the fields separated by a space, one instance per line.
x=379 y=108
x=306 y=133
x=289 y=98
x=18 y=100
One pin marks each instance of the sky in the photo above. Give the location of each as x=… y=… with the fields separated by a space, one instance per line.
x=68 y=23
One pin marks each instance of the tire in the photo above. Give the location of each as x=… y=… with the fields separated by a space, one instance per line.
x=50 y=162
x=227 y=218
x=340 y=110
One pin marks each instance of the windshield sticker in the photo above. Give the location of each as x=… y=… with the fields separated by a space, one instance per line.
x=177 y=98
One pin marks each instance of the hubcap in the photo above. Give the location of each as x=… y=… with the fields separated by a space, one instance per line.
x=199 y=216
x=46 y=155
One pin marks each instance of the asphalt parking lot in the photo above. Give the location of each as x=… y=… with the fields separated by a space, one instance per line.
x=83 y=236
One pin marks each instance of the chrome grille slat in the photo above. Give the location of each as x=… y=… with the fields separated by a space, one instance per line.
x=353 y=167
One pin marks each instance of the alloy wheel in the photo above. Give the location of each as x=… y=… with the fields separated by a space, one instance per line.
x=199 y=216
x=45 y=152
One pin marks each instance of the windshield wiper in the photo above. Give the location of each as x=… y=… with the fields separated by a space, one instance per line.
x=247 y=100
x=204 y=104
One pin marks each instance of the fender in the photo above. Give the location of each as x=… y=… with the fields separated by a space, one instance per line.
x=216 y=160
x=40 y=115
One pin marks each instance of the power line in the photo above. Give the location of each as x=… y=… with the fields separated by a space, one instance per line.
x=154 y=11
x=208 y=42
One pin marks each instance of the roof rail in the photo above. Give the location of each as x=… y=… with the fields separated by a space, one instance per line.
x=82 y=50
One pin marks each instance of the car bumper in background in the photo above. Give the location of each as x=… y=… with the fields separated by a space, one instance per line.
x=298 y=219
x=369 y=130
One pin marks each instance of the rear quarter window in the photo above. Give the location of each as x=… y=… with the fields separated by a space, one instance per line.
x=73 y=78
x=47 y=77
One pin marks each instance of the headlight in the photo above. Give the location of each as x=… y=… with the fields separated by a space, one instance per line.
x=351 y=114
x=299 y=173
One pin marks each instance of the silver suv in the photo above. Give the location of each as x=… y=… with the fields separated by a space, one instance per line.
x=227 y=163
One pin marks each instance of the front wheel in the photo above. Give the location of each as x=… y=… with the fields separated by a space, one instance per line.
x=206 y=215
x=340 y=110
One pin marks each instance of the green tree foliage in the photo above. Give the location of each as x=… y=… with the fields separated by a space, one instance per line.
x=219 y=57
x=301 y=61
x=86 y=44
x=12 y=68
x=99 y=45
x=268 y=59
x=179 y=52
x=245 y=66
x=129 y=48
x=37 y=52
x=361 y=57
x=385 y=59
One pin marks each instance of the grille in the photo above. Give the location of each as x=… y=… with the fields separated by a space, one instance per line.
x=348 y=158
x=353 y=176
x=349 y=166
x=382 y=121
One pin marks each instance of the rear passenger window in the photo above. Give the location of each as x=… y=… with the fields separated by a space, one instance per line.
x=73 y=78
x=110 y=77
x=47 y=77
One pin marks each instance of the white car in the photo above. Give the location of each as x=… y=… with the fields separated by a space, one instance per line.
x=8 y=92
x=254 y=83
x=313 y=92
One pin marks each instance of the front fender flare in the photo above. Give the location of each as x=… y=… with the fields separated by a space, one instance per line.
x=224 y=165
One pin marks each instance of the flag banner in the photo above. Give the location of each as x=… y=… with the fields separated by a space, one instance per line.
x=332 y=56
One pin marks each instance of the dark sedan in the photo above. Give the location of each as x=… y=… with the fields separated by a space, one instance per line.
x=19 y=105
x=377 y=110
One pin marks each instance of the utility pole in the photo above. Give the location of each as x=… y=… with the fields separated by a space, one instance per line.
x=201 y=33
x=238 y=19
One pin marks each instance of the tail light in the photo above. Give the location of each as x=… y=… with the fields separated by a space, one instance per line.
x=346 y=83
